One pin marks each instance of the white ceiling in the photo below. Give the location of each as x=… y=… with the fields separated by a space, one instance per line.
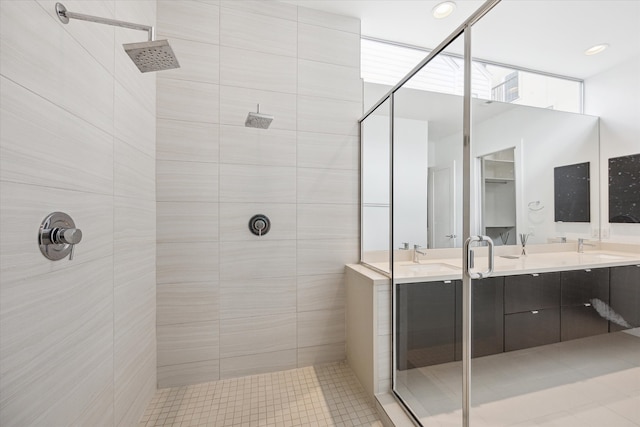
x=545 y=35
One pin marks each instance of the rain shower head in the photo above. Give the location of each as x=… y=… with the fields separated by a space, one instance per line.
x=152 y=55
x=258 y=120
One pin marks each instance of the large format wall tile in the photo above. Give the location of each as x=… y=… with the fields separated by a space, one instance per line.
x=328 y=151
x=22 y=209
x=187 y=222
x=323 y=292
x=83 y=150
x=326 y=256
x=46 y=60
x=263 y=184
x=244 y=145
x=259 y=334
x=328 y=186
x=326 y=115
x=302 y=67
x=237 y=102
x=187 y=342
x=187 y=141
x=257 y=259
x=189 y=101
x=321 y=327
x=239 y=366
x=132 y=123
x=188 y=373
x=133 y=172
x=186 y=182
x=199 y=62
x=187 y=262
x=328 y=221
x=234 y=220
x=272 y=9
x=328 y=45
x=315 y=355
x=329 y=80
x=77 y=337
x=257 y=297
x=187 y=302
x=57 y=342
x=257 y=32
x=189 y=20
x=256 y=70
x=329 y=20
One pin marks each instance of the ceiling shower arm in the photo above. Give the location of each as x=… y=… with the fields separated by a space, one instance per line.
x=64 y=15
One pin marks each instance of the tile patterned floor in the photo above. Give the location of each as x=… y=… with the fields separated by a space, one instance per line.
x=325 y=395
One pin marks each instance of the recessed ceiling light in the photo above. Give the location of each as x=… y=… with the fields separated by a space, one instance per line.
x=444 y=9
x=593 y=50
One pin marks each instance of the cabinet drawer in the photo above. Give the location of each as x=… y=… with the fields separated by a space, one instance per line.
x=531 y=329
x=582 y=286
x=531 y=292
x=625 y=296
x=581 y=321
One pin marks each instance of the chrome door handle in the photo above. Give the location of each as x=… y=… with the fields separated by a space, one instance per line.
x=470 y=257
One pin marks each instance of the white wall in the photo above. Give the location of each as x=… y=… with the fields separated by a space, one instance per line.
x=543 y=139
x=231 y=303
x=614 y=96
x=77 y=134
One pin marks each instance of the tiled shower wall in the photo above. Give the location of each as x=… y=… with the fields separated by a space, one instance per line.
x=231 y=303
x=77 y=134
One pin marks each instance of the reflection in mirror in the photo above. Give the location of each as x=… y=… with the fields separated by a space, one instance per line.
x=546 y=138
x=498 y=181
x=571 y=187
x=376 y=157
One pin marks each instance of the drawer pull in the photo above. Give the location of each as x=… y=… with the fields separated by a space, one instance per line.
x=588 y=270
x=535 y=274
x=447 y=281
x=534 y=312
x=586 y=304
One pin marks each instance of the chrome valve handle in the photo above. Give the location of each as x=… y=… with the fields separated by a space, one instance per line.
x=58 y=236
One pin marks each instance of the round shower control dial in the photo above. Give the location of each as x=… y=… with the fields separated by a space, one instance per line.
x=259 y=224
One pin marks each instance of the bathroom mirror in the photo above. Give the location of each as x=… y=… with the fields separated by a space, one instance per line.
x=546 y=138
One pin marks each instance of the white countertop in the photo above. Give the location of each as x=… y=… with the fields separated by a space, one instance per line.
x=509 y=265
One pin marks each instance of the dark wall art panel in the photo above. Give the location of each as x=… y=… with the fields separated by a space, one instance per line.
x=624 y=189
x=572 y=195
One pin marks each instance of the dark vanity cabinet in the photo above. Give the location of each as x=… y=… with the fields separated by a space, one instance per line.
x=584 y=293
x=487 y=313
x=625 y=297
x=532 y=310
x=430 y=321
x=425 y=323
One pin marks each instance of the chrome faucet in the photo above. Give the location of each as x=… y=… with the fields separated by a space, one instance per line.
x=582 y=244
x=416 y=251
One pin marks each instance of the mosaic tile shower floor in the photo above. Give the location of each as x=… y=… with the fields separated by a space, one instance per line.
x=325 y=395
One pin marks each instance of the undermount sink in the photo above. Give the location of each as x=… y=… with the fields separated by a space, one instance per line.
x=431 y=267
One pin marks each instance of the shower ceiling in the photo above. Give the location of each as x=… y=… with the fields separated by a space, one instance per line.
x=551 y=35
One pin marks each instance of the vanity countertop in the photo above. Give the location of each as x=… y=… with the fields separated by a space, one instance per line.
x=509 y=265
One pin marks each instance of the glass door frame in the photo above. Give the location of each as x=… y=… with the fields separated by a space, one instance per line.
x=464 y=30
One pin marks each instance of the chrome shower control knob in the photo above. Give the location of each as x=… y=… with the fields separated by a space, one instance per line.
x=70 y=236
x=58 y=236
